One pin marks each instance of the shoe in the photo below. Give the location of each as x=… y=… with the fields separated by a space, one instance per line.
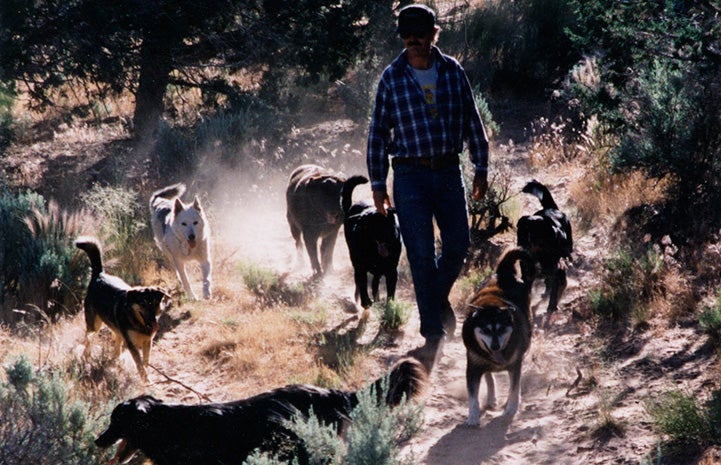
x=429 y=353
x=448 y=318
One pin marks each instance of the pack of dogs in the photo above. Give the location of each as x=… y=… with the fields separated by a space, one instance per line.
x=497 y=330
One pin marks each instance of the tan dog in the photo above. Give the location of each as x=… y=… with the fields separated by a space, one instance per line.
x=497 y=332
x=130 y=312
x=182 y=232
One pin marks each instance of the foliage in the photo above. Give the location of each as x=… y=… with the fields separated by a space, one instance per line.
x=39 y=268
x=271 y=288
x=710 y=320
x=42 y=421
x=629 y=285
x=685 y=422
x=372 y=438
x=145 y=47
x=6 y=117
x=393 y=314
x=519 y=46
x=122 y=220
x=659 y=91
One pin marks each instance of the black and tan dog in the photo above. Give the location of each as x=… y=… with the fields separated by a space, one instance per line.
x=548 y=237
x=314 y=213
x=130 y=312
x=497 y=332
x=226 y=433
x=374 y=244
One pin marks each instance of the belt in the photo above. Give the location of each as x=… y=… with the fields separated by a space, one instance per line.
x=434 y=163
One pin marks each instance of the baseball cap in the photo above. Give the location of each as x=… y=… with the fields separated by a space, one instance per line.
x=416 y=19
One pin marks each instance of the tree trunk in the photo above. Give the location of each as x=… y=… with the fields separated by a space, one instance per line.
x=155 y=67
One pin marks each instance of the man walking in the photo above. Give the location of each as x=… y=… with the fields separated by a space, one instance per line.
x=424 y=111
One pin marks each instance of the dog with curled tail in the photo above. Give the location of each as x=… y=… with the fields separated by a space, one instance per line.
x=182 y=233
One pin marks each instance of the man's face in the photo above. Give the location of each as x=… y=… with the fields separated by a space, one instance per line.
x=418 y=44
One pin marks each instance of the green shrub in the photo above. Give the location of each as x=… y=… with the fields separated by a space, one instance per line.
x=684 y=422
x=710 y=320
x=392 y=314
x=271 y=288
x=40 y=272
x=122 y=222
x=629 y=285
x=42 y=423
x=375 y=431
x=7 y=98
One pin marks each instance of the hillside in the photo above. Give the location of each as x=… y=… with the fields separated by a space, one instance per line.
x=585 y=391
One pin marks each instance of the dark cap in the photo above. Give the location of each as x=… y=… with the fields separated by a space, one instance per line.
x=416 y=19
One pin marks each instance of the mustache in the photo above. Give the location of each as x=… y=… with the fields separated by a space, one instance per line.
x=414 y=43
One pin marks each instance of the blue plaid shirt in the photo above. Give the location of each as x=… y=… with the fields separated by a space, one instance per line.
x=401 y=125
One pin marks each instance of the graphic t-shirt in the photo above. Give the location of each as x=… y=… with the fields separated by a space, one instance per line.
x=427 y=79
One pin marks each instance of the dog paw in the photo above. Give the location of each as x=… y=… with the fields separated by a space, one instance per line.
x=473 y=422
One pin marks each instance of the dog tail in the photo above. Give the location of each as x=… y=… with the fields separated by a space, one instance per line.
x=408 y=379
x=169 y=192
x=506 y=268
x=347 y=190
x=91 y=246
x=541 y=192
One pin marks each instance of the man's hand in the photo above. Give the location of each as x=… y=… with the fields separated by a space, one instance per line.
x=382 y=202
x=480 y=185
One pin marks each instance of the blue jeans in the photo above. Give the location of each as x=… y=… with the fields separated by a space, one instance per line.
x=420 y=195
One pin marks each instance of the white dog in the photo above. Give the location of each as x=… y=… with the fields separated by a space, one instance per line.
x=182 y=232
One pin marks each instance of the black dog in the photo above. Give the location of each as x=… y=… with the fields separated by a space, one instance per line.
x=548 y=237
x=374 y=244
x=226 y=433
x=314 y=212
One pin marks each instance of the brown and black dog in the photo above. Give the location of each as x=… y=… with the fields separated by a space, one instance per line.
x=130 y=312
x=497 y=332
x=314 y=213
x=548 y=236
x=226 y=433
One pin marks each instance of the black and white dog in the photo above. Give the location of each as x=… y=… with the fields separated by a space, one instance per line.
x=374 y=244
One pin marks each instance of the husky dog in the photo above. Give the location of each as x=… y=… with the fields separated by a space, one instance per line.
x=130 y=312
x=182 y=232
x=374 y=244
x=548 y=237
x=226 y=433
x=314 y=212
x=497 y=332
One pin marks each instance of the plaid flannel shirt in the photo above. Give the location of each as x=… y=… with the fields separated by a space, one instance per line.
x=401 y=127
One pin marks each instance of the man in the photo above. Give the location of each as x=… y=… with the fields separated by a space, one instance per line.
x=424 y=111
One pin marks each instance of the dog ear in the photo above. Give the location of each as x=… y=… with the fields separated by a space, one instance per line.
x=196 y=204
x=178 y=207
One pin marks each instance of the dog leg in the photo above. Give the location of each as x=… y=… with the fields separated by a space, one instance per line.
x=558 y=284
x=136 y=358
x=375 y=284
x=491 y=401
x=183 y=277
x=311 y=246
x=514 y=392
x=473 y=382
x=361 y=285
x=326 y=251
x=205 y=267
x=391 y=281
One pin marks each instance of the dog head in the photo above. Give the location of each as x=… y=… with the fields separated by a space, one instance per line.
x=127 y=425
x=189 y=223
x=385 y=232
x=492 y=324
x=146 y=304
